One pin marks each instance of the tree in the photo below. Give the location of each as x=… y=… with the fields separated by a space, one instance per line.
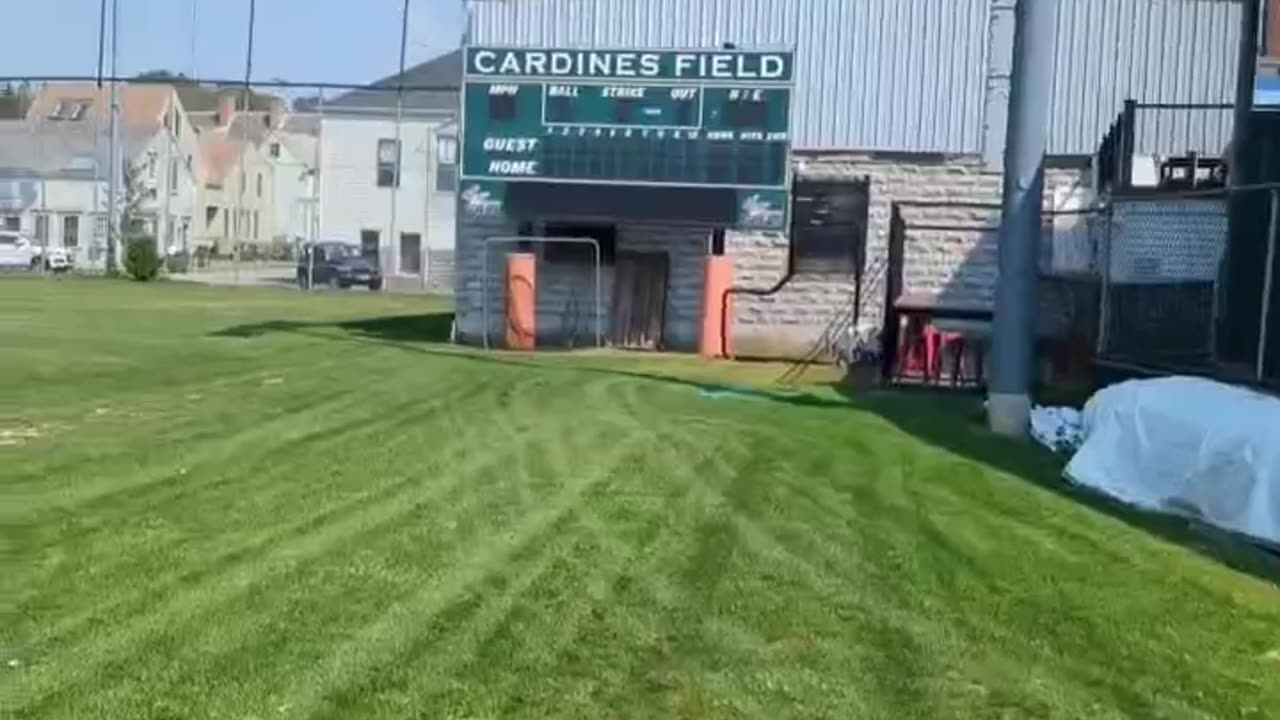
x=15 y=100
x=129 y=225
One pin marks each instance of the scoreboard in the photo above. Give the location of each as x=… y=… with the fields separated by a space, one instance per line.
x=694 y=118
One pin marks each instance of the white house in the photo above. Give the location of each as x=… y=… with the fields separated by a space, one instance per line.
x=293 y=150
x=50 y=185
x=390 y=186
x=57 y=161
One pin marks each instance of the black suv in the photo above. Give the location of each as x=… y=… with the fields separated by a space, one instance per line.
x=336 y=265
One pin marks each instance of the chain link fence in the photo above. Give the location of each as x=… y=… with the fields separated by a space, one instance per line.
x=234 y=188
x=238 y=177
x=1165 y=285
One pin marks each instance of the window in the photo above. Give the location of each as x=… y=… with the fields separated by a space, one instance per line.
x=580 y=253
x=388 y=163
x=446 y=164
x=275 y=150
x=255 y=225
x=369 y=242
x=70 y=110
x=71 y=231
x=151 y=166
x=12 y=223
x=502 y=108
x=410 y=253
x=100 y=228
x=210 y=214
x=226 y=224
x=42 y=229
x=259 y=184
x=829 y=227
x=242 y=185
x=173 y=176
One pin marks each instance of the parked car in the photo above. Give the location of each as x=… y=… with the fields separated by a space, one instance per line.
x=337 y=265
x=16 y=251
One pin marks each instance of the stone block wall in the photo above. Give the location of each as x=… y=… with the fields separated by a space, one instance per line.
x=566 y=293
x=949 y=252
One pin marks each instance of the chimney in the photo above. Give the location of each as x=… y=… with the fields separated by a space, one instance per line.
x=1272 y=29
x=226 y=109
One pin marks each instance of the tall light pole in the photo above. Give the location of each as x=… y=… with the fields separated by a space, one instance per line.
x=246 y=96
x=115 y=165
x=1013 y=342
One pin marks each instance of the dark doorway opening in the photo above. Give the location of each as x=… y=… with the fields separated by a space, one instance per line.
x=640 y=300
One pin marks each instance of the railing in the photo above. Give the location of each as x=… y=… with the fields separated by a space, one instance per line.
x=1128 y=137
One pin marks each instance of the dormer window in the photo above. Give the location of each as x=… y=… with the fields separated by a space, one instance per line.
x=71 y=110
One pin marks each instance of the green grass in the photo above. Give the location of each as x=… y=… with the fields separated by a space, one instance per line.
x=261 y=504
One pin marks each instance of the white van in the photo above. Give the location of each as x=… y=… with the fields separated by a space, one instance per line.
x=16 y=251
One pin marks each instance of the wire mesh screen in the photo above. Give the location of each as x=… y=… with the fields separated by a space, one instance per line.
x=1161 y=268
x=231 y=151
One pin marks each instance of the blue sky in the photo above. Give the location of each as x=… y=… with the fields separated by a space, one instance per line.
x=343 y=41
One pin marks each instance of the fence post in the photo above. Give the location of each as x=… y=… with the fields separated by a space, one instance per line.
x=1268 y=285
x=1128 y=144
x=1104 y=274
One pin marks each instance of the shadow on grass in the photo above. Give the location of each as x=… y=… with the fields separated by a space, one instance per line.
x=957 y=424
x=951 y=421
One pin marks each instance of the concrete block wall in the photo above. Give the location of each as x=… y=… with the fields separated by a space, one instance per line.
x=566 y=294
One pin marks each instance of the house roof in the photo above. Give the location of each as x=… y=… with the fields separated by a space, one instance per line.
x=142 y=106
x=58 y=149
x=444 y=71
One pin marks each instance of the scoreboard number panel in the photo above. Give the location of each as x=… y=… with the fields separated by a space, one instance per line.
x=681 y=118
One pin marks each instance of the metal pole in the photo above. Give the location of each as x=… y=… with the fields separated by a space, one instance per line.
x=1104 y=283
x=392 y=242
x=195 y=23
x=114 y=165
x=247 y=96
x=1246 y=75
x=1267 y=286
x=314 y=229
x=1009 y=403
x=102 y=40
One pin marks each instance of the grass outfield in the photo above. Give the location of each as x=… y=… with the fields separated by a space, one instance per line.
x=262 y=504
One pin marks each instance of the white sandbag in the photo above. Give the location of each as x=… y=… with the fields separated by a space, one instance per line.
x=1189 y=446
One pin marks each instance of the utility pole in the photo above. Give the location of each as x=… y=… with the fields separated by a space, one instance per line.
x=115 y=154
x=1013 y=351
x=1246 y=77
x=246 y=97
x=389 y=262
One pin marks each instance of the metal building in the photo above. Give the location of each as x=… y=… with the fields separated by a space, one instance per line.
x=926 y=75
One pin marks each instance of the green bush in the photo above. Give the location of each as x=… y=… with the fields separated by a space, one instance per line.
x=141 y=261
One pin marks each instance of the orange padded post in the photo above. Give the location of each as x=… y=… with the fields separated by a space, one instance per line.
x=522 y=301
x=717 y=308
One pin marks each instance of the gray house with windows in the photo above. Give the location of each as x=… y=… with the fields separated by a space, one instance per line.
x=388 y=172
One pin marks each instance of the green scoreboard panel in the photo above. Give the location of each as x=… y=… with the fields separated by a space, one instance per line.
x=671 y=118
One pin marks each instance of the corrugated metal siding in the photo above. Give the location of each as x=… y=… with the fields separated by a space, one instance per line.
x=1154 y=51
x=905 y=74
x=913 y=74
